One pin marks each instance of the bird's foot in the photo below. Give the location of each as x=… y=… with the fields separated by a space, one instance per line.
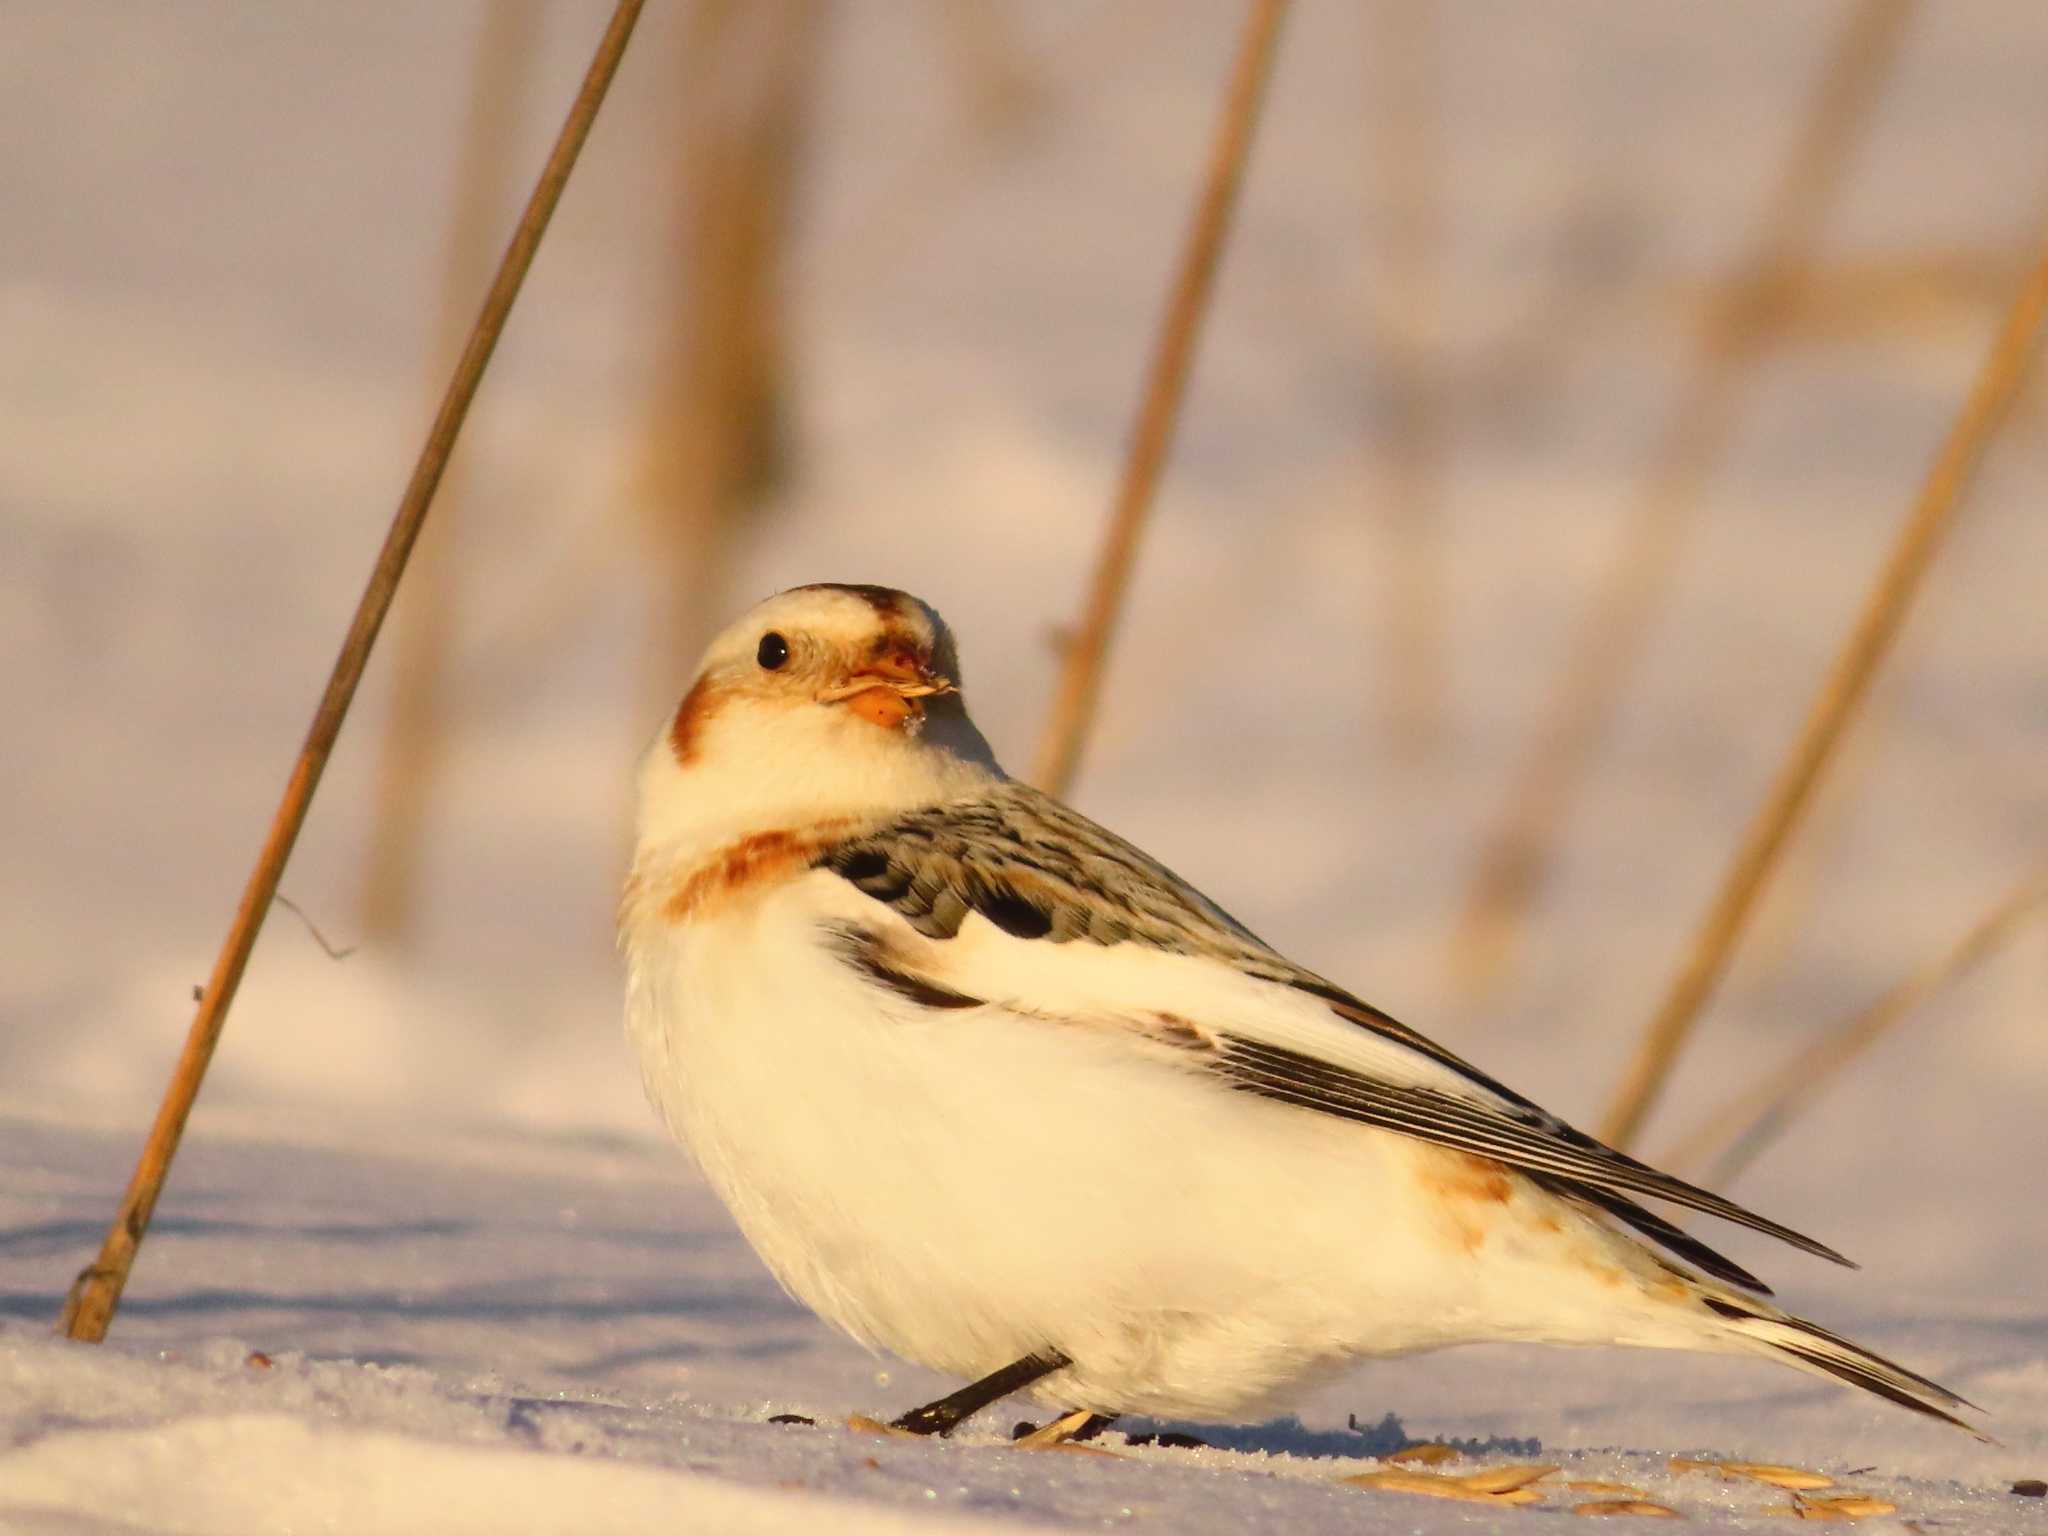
x=1066 y=1433
x=861 y=1424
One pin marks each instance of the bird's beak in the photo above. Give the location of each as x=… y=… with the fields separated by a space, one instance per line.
x=887 y=690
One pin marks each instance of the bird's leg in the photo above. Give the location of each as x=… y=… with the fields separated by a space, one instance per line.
x=943 y=1416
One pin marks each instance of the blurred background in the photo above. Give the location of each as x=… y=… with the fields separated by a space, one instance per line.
x=1569 y=374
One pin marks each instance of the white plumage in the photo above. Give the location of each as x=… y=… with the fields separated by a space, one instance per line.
x=980 y=1082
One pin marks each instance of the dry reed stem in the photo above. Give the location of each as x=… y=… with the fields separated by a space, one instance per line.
x=1518 y=850
x=1925 y=299
x=1832 y=710
x=1747 y=1123
x=1409 y=171
x=1800 y=884
x=997 y=83
x=1933 y=296
x=89 y=1307
x=414 y=745
x=890 y=224
x=713 y=441
x=1073 y=709
x=713 y=445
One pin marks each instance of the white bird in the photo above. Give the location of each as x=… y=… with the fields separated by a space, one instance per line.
x=989 y=1088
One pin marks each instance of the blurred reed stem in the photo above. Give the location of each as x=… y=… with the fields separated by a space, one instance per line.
x=1073 y=709
x=1744 y=1127
x=1884 y=610
x=714 y=442
x=998 y=86
x=89 y=1306
x=1408 y=168
x=1001 y=105
x=414 y=745
x=1518 y=850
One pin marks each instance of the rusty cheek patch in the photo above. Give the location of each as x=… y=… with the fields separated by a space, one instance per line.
x=685 y=732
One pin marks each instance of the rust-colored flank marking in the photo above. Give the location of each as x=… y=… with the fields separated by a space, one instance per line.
x=1607 y=1274
x=1175 y=1030
x=1480 y=1178
x=1467 y=1187
x=696 y=708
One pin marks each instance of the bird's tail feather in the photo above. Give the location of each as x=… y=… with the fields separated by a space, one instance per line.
x=1808 y=1347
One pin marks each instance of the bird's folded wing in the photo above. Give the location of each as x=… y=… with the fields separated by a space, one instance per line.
x=1016 y=900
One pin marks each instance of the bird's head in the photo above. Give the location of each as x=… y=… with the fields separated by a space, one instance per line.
x=822 y=701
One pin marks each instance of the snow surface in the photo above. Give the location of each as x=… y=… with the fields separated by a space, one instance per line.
x=422 y=1185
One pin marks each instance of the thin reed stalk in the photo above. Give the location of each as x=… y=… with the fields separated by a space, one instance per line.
x=1073 y=709
x=1408 y=169
x=1519 y=848
x=1884 y=610
x=994 y=77
x=714 y=438
x=414 y=746
x=89 y=1307
x=1746 y=1125
x=1785 y=911
x=890 y=225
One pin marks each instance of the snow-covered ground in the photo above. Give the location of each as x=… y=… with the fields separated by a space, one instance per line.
x=362 y=1324
x=421 y=1184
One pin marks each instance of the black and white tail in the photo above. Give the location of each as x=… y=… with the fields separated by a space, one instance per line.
x=1808 y=1347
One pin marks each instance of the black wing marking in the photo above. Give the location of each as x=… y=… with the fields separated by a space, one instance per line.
x=1365 y=1016
x=1534 y=1146
x=867 y=953
x=1658 y=1230
x=1037 y=871
x=1852 y=1362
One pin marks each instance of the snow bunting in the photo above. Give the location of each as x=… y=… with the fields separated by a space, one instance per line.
x=993 y=1090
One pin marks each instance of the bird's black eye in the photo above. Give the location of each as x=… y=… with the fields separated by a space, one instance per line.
x=773 y=651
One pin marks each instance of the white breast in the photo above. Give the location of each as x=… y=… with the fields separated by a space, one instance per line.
x=827 y=1125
